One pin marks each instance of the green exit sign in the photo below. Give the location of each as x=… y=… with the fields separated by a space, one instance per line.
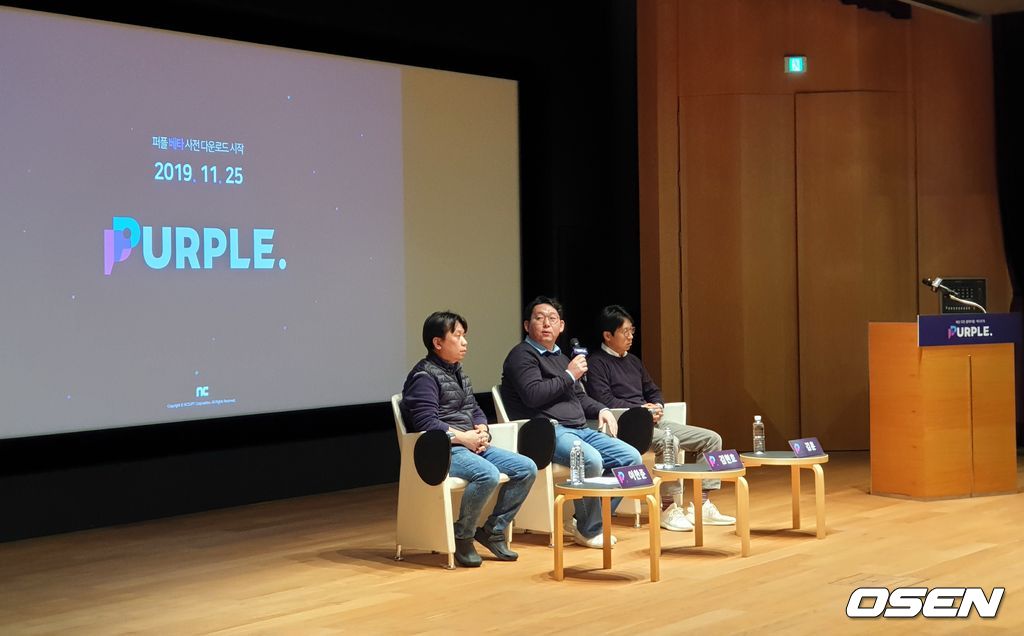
x=796 y=64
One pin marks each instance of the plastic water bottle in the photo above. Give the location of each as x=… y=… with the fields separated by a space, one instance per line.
x=671 y=449
x=576 y=467
x=758 y=435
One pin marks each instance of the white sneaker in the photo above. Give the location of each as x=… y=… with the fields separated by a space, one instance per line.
x=673 y=518
x=569 y=526
x=711 y=515
x=593 y=542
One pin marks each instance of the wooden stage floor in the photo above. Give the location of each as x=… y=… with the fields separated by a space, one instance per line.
x=323 y=564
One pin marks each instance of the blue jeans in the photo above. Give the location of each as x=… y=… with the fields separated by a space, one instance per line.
x=481 y=471
x=600 y=452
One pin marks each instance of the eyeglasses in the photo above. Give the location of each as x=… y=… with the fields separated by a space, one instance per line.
x=628 y=332
x=551 y=319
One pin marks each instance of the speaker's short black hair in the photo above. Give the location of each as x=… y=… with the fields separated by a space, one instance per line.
x=541 y=300
x=611 y=318
x=439 y=324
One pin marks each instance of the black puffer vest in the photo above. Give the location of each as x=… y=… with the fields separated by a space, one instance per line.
x=456 y=403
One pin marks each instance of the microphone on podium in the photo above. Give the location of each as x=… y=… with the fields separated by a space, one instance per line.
x=935 y=284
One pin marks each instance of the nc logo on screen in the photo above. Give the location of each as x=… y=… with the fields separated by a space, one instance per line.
x=968 y=332
x=185 y=245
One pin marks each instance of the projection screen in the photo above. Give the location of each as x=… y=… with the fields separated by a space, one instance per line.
x=195 y=228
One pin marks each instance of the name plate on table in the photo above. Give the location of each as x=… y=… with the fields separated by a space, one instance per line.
x=967 y=329
x=632 y=476
x=806 y=447
x=723 y=460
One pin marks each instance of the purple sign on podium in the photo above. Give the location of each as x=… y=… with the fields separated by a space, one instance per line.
x=967 y=329
x=806 y=447
x=723 y=460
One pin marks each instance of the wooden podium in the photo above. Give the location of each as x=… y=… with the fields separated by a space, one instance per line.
x=942 y=417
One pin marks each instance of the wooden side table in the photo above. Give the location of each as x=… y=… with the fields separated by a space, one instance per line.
x=787 y=458
x=567 y=492
x=697 y=473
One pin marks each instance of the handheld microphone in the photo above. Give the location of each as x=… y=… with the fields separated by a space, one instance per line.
x=578 y=350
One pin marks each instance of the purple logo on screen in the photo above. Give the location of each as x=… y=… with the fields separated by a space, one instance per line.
x=187 y=246
x=119 y=241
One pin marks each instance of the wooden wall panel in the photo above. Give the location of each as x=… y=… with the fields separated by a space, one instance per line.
x=960 y=234
x=707 y=50
x=739 y=268
x=731 y=46
x=737 y=46
x=849 y=48
x=658 y=139
x=855 y=240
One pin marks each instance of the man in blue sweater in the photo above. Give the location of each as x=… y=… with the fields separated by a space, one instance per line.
x=537 y=379
x=438 y=396
x=620 y=380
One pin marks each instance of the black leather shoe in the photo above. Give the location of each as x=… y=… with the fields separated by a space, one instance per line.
x=465 y=554
x=496 y=544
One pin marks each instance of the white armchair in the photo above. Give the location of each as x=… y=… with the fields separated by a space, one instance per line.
x=425 y=510
x=537 y=513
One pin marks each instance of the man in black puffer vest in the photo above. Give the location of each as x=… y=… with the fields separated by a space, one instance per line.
x=438 y=396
